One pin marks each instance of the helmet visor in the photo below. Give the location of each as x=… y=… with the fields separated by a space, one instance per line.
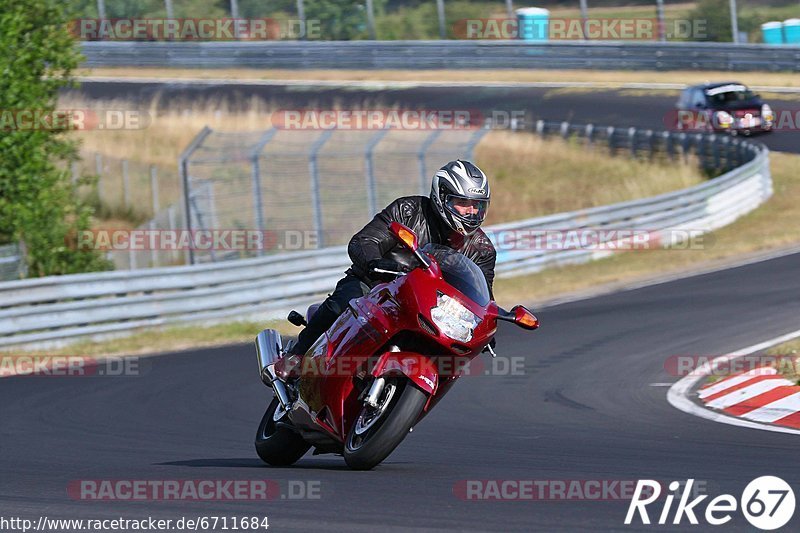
x=468 y=210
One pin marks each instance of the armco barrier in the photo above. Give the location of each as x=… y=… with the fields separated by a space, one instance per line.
x=63 y=307
x=609 y=55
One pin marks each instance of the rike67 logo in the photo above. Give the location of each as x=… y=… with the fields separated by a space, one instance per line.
x=767 y=503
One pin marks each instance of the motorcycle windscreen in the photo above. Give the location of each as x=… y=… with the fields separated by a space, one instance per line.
x=461 y=272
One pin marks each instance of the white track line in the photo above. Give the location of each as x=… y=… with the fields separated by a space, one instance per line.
x=776 y=410
x=735 y=380
x=678 y=394
x=745 y=393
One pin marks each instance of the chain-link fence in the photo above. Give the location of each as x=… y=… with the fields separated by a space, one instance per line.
x=317 y=187
x=306 y=189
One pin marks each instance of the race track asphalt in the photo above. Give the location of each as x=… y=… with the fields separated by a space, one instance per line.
x=590 y=405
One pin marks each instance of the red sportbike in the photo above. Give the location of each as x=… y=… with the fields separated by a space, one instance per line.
x=385 y=362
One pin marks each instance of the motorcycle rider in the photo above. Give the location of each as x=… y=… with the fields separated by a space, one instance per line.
x=451 y=216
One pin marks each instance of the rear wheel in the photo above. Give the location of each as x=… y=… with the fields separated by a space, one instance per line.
x=278 y=446
x=378 y=430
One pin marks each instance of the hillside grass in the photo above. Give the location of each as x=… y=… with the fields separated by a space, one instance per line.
x=531 y=176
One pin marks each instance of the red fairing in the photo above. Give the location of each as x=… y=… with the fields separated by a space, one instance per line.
x=389 y=332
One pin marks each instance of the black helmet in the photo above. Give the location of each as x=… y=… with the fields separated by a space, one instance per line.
x=460 y=192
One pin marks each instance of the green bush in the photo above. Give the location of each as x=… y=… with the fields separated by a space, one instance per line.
x=38 y=204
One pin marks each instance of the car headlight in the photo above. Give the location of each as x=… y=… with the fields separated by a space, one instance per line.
x=766 y=113
x=453 y=319
x=723 y=119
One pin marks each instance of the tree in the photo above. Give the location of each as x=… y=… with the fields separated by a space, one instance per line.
x=717 y=15
x=38 y=204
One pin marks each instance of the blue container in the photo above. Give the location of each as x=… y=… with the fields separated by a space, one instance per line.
x=772 y=32
x=791 y=31
x=534 y=23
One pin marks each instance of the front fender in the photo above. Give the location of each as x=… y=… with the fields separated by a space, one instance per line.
x=420 y=369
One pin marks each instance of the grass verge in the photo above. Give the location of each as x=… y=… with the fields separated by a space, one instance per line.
x=771 y=226
x=521 y=183
x=790 y=369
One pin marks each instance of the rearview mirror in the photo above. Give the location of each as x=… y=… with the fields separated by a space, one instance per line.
x=520 y=316
x=404 y=235
x=407 y=236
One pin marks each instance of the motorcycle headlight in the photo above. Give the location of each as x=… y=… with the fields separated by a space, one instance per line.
x=453 y=319
x=766 y=113
x=723 y=119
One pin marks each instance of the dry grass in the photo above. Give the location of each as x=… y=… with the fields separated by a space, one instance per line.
x=771 y=226
x=532 y=176
x=789 y=364
x=612 y=78
x=168 y=131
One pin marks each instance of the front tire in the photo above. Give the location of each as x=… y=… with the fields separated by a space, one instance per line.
x=278 y=446
x=377 y=432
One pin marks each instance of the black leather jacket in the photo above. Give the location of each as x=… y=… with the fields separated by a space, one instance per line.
x=375 y=240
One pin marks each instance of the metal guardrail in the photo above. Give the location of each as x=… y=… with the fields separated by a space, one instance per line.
x=62 y=307
x=606 y=55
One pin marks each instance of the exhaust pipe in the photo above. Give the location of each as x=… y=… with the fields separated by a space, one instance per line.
x=269 y=349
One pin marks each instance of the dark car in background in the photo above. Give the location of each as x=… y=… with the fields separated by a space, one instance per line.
x=723 y=107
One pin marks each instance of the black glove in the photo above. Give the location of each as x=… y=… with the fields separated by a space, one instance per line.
x=385 y=264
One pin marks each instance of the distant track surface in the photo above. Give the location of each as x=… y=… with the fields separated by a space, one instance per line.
x=586 y=408
x=608 y=107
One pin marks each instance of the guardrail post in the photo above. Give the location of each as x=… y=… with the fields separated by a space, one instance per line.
x=610 y=137
x=685 y=141
x=589 y=134
x=651 y=143
x=372 y=193
x=714 y=141
x=564 y=130
x=314 y=172
x=424 y=179
x=669 y=146
x=632 y=141
x=540 y=128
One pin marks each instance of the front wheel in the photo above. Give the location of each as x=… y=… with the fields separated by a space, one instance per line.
x=378 y=431
x=278 y=446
